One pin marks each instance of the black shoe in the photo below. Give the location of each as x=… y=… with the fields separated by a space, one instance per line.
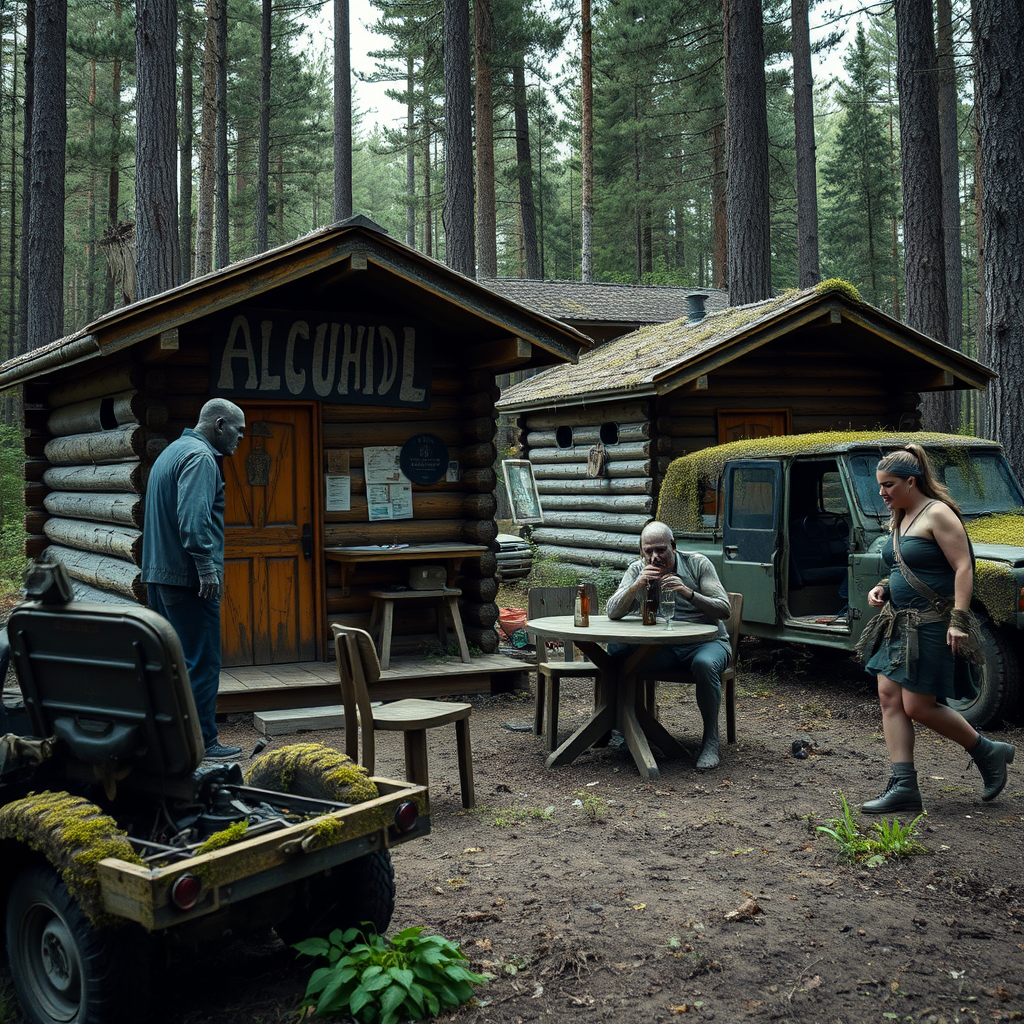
x=901 y=794
x=992 y=759
x=218 y=752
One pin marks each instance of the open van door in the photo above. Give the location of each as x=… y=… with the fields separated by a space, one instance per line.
x=751 y=536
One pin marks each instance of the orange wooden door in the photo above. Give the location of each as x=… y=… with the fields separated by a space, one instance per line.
x=268 y=615
x=734 y=426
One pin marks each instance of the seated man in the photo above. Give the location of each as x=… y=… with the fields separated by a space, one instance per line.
x=700 y=597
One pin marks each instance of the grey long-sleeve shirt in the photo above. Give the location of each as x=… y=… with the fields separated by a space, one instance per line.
x=710 y=601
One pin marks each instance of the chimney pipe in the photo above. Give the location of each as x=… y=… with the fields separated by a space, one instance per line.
x=695 y=308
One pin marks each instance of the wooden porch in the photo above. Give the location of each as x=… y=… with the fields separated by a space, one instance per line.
x=315 y=683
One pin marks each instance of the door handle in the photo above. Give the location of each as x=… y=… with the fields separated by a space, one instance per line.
x=307 y=541
x=731 y=550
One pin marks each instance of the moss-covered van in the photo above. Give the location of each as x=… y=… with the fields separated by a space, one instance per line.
x=796 y=524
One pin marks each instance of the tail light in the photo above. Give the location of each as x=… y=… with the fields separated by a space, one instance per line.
x=405 y=816
x=185 y=892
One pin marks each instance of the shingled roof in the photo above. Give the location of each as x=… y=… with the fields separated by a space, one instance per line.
x=659 y=358
x=574 y=302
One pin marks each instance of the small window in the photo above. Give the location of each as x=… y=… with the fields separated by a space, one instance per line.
x=563 y=436
x=609 y=433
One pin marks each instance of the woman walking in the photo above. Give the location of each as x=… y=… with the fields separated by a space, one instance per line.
x=920 y=643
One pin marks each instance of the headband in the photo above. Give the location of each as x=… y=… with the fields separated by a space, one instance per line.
x=901 y=464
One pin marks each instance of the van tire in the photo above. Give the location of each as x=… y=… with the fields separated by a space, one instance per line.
x=999 y=692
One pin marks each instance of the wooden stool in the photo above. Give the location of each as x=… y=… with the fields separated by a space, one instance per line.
x=384 y=614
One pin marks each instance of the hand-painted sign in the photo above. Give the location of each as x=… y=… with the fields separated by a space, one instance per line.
x=330 y=357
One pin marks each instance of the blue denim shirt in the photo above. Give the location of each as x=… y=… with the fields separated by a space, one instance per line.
x=183 y=531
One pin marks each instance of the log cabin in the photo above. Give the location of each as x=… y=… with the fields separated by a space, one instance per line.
x=812 y=360
x=341 y=347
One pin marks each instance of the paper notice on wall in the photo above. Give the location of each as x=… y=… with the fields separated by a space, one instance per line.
x=389 y=501
x=338 y=461
x=381 y=465
x=339 y=493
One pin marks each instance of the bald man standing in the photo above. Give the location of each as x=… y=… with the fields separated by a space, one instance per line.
x=183 y=550
x=700 y=597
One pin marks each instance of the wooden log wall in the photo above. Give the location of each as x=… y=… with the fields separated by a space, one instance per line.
x=90 y=439
x=591 y=521
x=462 y=415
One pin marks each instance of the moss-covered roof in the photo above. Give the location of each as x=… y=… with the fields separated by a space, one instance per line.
x=661 y=357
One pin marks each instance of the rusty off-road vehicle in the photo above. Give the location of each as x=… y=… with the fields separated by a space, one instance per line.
x=122 y=849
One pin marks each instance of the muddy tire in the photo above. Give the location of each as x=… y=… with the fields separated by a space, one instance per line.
x=354 y=894
x=362 y=890
x=65 y=970
x=999 y=689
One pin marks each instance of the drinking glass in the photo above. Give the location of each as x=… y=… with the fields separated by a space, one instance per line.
x=668 y=606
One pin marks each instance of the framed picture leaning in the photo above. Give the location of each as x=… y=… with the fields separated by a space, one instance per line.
x=522 y=491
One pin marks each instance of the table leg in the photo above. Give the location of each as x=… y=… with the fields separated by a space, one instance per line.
x=632 y=730
x=584 y=737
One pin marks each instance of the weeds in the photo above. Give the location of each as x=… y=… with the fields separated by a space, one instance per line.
x=892 y=841
x=508 y=816
x=410 y=976
x=594 y=807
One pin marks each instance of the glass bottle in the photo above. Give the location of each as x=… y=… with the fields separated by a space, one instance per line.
x=651 y=603
x=581 y=616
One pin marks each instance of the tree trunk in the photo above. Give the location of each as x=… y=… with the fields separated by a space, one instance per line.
x=980 y=337
x=457 y=213
x=222 y=232
x=750 y=278
x=587 y=145
x=158 y=262
x=45 y=269
x=948 y=103
x=342 y=114
x=263 y=145
x=998 y=30
x=524 y=169
x=114 y=171
x=720 y=222
x=924 y=252
x=806 y=176
x=428 y=202
x=185 y=147
x=410 y=157
x=486 y=226
x=26 y=170
x=11 y=400
x=207 y=144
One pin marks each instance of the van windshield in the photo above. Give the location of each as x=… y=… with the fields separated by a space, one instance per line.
x=980 y=481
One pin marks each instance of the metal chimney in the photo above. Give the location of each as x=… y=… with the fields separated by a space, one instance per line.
x=695 y=308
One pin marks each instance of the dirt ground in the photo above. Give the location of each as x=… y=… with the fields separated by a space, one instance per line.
x=591 y=894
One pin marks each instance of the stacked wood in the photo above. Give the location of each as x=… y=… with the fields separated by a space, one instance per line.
x=117 y=541
x=100 y=571
x=123 y=443
x=106 y=413
x=128 y=477
x=126 y=509
x=592 y=521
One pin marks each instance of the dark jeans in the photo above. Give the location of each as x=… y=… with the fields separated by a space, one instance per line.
x=705 y=662
x=197 y=623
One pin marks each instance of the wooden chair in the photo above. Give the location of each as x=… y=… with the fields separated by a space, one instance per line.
x=728 y=675
x=358 y=668
x=543 y=601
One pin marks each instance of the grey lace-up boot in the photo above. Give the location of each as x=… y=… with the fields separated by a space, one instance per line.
x=900 y=794
x=992 y=759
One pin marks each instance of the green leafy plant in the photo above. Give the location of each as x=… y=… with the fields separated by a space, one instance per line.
x=892 y=840
x=411 y=976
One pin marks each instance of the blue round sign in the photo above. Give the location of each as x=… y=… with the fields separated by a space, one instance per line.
x=424 y=459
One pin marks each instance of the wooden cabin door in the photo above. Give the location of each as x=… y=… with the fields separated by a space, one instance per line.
x=737 y=425
x=268 y=612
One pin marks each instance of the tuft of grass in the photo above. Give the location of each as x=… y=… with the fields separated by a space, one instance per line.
x=508 y=816
x=891 y=840
x=594 y=807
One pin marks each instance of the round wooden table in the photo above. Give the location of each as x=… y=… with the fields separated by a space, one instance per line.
x=619 y=704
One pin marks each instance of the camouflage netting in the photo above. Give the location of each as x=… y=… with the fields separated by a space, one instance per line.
x=682 y=492
x=74 y=835
x=311 y=769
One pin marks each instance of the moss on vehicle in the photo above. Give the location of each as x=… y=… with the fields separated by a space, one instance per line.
x=296 y=767
x=682 y=493
x=74 y=835
x=232 y=834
